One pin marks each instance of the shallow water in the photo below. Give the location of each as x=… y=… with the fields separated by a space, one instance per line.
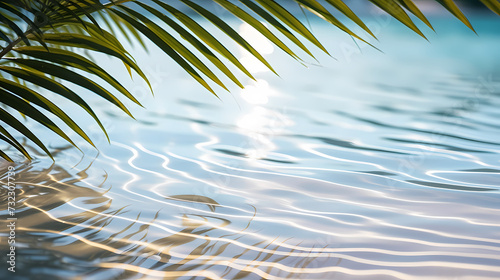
x=374 y=166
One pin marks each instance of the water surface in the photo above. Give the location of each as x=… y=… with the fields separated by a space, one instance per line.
x=371 y=166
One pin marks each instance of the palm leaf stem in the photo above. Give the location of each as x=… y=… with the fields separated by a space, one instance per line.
x=12 y=44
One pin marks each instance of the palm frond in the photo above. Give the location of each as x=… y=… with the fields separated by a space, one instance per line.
x=45 y=43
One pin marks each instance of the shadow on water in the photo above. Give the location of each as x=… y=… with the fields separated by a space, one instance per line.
x=101 y=241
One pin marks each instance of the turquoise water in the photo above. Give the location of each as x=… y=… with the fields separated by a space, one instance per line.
x=367 y=166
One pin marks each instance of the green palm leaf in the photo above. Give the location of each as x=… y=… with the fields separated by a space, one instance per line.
x=44 y=43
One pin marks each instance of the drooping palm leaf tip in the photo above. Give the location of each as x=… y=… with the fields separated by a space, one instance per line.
x=43 y=41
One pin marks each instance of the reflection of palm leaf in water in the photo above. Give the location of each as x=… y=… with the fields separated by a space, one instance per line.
x=42 y=43
x=86 y=242
x=197 y=199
